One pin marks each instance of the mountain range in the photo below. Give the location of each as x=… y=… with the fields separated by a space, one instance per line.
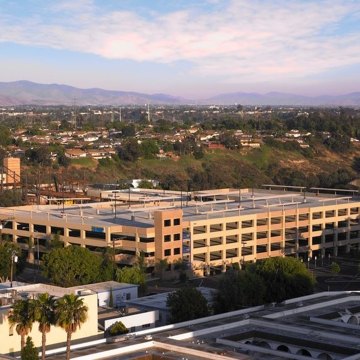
x=30 y=93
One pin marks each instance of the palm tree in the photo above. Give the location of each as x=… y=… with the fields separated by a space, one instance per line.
x=22 y=317
x=70 y=313
x=45 y=316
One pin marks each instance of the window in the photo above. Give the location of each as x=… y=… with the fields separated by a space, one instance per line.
x=290 y=218
x=176 y=251
x=167 y=222
x=128 y=296
x=146 y=326
x=261 y=222
x=303 y=217
x=247 y=223
x=176 y=222
x=176 y=237
x=262 y=235
x=167 y=252
x=275 y=220
x=40 y=228
x=317 y=215
x=342 y=212
x=167 y=238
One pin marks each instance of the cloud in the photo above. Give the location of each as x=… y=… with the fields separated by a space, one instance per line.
x=245 y=41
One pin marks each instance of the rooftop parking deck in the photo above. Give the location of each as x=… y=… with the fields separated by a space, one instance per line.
x=195 y=206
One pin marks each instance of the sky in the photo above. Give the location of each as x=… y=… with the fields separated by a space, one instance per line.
x=188 y=48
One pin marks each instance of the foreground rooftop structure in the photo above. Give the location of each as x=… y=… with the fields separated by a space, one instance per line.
x=321 y=326
x=210 y=230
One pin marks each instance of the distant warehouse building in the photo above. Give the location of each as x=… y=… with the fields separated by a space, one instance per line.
x=209 y=229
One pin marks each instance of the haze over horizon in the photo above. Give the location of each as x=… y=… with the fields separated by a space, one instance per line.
x=193 y=49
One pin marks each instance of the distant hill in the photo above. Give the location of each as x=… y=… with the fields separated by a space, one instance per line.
x=30 y=93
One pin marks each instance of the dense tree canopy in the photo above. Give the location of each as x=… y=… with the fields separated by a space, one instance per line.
x=73 y=265
x=186 y=304
x=271 y=280
x=285 y=278
x=238 y=289
x=131 y=275
x=10 y=198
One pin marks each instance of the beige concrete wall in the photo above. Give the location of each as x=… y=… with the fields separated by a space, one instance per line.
x=161 y=231
x=283 y=230
x=13 y=165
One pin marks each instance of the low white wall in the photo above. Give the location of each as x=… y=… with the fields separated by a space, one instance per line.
x=136 y=321
x=119 y=296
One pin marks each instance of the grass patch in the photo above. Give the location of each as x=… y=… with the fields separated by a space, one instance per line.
x=84 y=162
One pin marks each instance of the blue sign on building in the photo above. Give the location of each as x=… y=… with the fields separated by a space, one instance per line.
x=186 y=249
x=97 y=229
x=186 y=235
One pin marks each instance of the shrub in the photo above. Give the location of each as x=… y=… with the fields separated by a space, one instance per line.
x=118 y=328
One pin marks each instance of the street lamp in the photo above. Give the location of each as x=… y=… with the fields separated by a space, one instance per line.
x=129 y=195
x=115 y=192
x=14 y=259
x=308 y=262
x=315 y=258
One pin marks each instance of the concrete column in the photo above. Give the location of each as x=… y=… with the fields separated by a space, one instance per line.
x=66 y=236
x=31 y=257
x=348 y=247
x=335 y=251
x=82 y=237
x=137 y=242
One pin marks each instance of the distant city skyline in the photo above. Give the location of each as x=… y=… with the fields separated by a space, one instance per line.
x=185 y=48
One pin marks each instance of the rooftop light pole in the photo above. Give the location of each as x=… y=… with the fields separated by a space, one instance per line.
x=129 y=195
x=14 y=259
x=115 y=198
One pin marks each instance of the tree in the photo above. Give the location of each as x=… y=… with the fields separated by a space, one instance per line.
x=131 y=275
x=72 y=265
x=5 y=135
x=149 y=148
x=39 y=156
x=71 y=313
x=118 y=328
x=55 y=242
x=238 y=289
x=6 y=250
x=229 y=140
x=356 y=164
x=160 y=266
x=130 y=151
x=181 y=266
x=45 y=316
x=335 y=268
x=63 y=160
x=187 y=303
x=22 y=317
x=29 y=352
x=10 y=198
x=282 y=276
